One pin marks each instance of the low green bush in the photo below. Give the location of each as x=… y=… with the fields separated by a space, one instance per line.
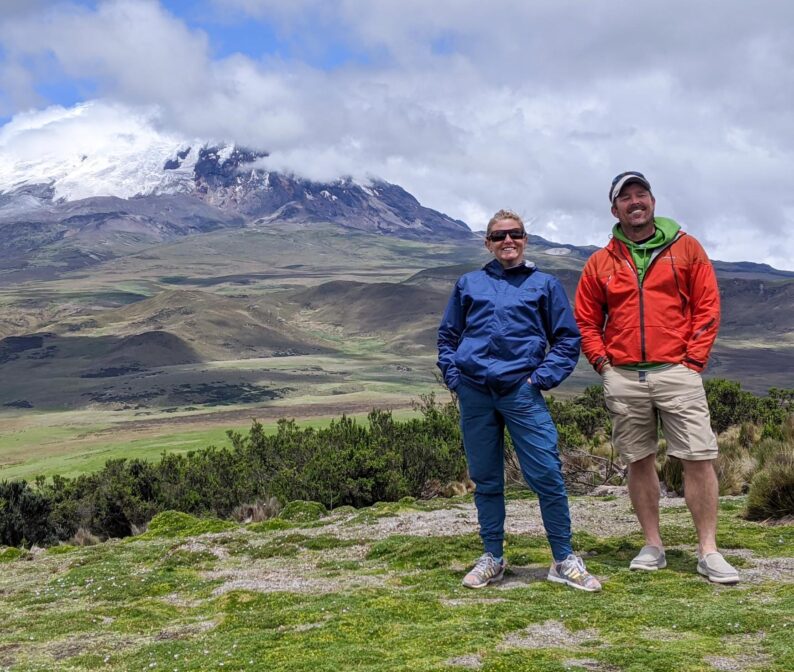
x=348 y=463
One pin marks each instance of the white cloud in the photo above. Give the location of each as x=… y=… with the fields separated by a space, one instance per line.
x=473 y=106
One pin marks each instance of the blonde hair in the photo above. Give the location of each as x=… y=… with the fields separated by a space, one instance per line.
x=504 y=214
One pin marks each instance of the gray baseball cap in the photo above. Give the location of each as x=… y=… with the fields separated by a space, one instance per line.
x=623 y=179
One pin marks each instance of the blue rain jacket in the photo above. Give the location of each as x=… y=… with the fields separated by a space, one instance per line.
x=503 y=325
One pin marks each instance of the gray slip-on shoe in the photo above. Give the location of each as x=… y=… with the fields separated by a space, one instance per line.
x=717 y=569
x=649 y=559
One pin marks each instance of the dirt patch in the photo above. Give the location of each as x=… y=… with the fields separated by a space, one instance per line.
x=598 y=517
x=198 y=546
x=466 y=603
x=272 y=580
x=663 y=635
x=7 y=651
x=472 y=662
x=551 y=634
x=177 y=600
x=761 y=570
x=296 y=575
x=739 y=663
x=186 y=631
x=589 y=664
x=301 y=627
x=88 y=643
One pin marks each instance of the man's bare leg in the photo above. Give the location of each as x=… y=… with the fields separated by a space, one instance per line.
x=701 y=492
x=644 y=494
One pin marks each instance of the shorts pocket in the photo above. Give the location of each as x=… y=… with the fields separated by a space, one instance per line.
x=692 y=398
x=616 y=407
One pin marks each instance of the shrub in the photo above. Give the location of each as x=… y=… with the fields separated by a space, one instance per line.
x=771 y=493
x=24 y=515
x=10 y=554
x=729 y=404
x=174 y=524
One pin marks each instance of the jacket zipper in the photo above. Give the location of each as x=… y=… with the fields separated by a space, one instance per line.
x=654 y=256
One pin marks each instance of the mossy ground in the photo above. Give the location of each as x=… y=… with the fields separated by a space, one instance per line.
x=208 y=595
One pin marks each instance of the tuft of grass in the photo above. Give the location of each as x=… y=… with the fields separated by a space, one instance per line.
x=170 y=524
x=9 y=554
x=272 y=525
x=300 y=511
x=771 y=493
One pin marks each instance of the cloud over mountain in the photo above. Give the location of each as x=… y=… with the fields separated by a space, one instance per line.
x=533 y=106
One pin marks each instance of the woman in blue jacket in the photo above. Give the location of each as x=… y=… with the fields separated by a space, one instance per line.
x=508 y=332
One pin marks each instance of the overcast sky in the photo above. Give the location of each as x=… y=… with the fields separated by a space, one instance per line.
x=471 y=106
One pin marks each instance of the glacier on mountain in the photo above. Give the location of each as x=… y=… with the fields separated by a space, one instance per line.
x=95 y=149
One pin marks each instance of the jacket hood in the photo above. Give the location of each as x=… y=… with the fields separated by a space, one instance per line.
x=666 y=231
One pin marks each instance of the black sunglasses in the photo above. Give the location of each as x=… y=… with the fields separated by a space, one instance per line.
x=498 y=236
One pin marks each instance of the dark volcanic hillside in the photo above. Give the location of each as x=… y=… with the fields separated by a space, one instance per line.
x=405 y=316
x=753 y=306
x=214 y=327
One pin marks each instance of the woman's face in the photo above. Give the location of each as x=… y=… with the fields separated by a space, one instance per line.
x=509 y=251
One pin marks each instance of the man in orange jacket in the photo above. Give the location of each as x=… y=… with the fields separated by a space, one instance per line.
x=648 y=309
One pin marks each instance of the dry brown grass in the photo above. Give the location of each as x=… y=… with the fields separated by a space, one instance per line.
x=257 y=512
x=84 y=537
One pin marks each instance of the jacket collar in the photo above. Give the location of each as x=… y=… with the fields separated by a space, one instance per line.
x=493 y=267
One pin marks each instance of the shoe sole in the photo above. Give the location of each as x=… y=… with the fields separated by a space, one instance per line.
x=495 y=579
x=559 y=579
x=718 y=579
x=648 y=568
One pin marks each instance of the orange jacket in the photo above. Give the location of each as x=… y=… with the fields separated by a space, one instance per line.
x=673 y=316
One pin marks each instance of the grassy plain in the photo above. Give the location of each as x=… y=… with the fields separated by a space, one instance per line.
x=70 y=450
x=379 y=590
x=318 y=390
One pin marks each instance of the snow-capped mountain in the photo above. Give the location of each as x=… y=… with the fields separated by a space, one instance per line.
x=54 y=158
x=93 y=149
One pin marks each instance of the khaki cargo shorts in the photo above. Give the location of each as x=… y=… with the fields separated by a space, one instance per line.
x=676 y=395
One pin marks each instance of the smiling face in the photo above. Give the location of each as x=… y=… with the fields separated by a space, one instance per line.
x=509 y=251
x=634 y=209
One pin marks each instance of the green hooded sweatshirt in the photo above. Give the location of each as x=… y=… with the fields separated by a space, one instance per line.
x=666 y=230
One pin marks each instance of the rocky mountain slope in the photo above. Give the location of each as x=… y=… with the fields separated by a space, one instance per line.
x=47 y=231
